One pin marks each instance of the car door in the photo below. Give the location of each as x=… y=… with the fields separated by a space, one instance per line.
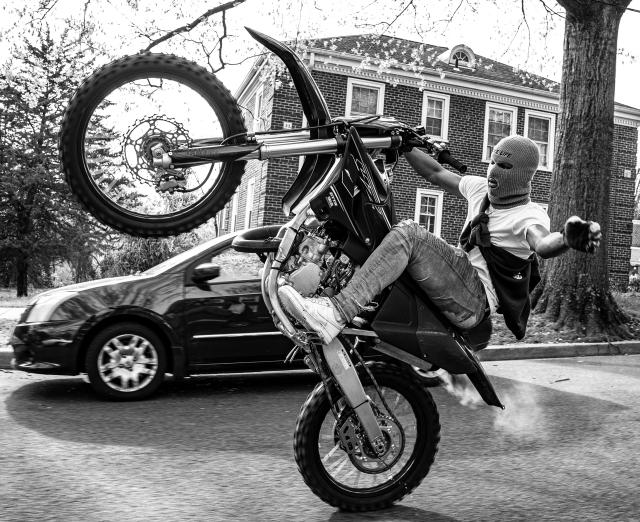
x=226 y=320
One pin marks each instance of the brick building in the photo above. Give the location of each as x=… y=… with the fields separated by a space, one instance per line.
x=470 y=100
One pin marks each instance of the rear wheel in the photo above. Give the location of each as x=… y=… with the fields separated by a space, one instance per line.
x=126 y=361
x=346 y=474
x=115 y=120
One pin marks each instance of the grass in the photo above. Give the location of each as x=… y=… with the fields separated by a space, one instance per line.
x=540 y=332
x=8 y=297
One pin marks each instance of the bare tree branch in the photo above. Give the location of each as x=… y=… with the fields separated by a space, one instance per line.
x=188 y=27
x=389 y=24
x=46 y=7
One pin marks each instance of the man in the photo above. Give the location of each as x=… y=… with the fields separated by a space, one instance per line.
x=494 y=266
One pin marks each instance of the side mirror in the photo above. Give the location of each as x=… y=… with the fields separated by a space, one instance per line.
x=205 y=272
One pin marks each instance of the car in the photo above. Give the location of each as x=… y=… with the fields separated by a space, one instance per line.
x=199 y=312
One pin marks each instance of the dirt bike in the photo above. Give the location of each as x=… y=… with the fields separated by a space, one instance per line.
x=368 y=433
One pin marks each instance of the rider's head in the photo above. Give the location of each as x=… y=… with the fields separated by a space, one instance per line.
x=514 y=161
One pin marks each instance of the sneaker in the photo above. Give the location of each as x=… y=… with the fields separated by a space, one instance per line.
x=318 y=314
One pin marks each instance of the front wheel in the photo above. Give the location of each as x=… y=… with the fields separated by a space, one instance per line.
x=125 y=111
x=349 y=476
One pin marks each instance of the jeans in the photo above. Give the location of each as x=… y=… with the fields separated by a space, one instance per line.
x=443 y=272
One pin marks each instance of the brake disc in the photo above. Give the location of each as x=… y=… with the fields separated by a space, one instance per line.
x=361 y=454
x=137 y=151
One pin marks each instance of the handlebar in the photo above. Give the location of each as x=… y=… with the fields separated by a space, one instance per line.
x=441 y=153
x=445 y=157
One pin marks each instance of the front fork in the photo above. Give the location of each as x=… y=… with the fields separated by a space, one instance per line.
x=349 y=383
x=335 y=355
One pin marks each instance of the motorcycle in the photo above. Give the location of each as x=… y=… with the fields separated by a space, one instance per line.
x=368 y=433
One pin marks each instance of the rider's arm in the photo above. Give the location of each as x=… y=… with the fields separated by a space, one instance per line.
x=544 y=243
x=578 y=234
x=432 y=171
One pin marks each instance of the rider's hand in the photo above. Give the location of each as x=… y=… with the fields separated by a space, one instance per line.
x=582 y=235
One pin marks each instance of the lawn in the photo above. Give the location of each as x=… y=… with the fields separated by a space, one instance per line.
x=8 y=297
x=538 y=330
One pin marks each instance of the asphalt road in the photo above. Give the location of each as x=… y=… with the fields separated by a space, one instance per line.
x=219 y=448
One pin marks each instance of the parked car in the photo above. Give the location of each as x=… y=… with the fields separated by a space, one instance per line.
x=198 y=312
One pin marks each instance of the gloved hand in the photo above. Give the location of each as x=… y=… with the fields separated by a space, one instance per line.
x=582 y=235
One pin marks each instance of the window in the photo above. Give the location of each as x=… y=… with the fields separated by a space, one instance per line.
x=500 y=121
x=248 y=209
x=429 y=210
x=364 y=97
x=234 y=213
x=258 y=122
x=224 y=217
x=435 y=114
x=236 y=266
x=304 y=124
x=460 y=58
x=540 y=127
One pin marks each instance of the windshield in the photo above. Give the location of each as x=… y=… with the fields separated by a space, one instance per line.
x=187 y=255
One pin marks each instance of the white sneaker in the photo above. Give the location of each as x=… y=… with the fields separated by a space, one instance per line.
x=318 y=314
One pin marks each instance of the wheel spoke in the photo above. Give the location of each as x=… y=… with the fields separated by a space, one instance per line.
x=330 y=454
x=338 y=465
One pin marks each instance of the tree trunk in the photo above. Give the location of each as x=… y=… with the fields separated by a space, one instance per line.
x=574 y=292
x=22 y=282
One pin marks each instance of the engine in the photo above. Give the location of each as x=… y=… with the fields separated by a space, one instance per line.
x=318 y=268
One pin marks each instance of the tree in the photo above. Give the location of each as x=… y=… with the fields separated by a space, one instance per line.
x=574 y=291
x=41 y=220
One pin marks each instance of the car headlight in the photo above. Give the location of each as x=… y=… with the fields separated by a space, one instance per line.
x=44 y=306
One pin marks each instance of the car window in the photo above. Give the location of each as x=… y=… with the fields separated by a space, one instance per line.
x=192 y=253
x=236 y=266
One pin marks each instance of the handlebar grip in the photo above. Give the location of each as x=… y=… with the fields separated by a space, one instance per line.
x=446 y=157
x=258 y=240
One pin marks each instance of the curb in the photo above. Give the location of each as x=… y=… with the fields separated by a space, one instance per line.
x=504 y=352
x=508 y=352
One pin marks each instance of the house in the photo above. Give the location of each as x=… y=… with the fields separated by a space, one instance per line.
x=468 y=99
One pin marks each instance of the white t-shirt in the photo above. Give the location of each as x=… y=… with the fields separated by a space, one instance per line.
x=507 y=227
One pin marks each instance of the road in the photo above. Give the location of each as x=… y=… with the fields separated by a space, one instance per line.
x=219 y=448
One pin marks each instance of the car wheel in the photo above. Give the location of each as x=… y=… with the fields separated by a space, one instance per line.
x=126 y=361
x=427 y=378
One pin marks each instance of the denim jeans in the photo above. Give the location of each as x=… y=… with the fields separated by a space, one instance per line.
x=442 y=271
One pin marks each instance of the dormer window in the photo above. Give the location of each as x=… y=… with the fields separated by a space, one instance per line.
x=460 y=58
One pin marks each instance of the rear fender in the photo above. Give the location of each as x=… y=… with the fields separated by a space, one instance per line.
x=411 y=323
x=313 y=103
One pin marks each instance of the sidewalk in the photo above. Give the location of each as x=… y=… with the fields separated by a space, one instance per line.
x=10 y=313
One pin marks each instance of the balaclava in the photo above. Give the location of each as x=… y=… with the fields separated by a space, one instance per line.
x=511 y=187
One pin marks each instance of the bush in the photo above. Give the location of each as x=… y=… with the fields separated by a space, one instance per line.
x=634 y=283
x=135 y=254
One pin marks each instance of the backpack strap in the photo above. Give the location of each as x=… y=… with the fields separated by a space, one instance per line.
x=476 y=233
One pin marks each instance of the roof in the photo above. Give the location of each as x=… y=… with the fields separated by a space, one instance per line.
x=410 y=55
x=411 y=58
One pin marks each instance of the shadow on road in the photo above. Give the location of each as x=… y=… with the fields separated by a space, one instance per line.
x=395 y=513
x=257 y=413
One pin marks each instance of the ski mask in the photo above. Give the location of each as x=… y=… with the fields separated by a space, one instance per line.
x=514 y=161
